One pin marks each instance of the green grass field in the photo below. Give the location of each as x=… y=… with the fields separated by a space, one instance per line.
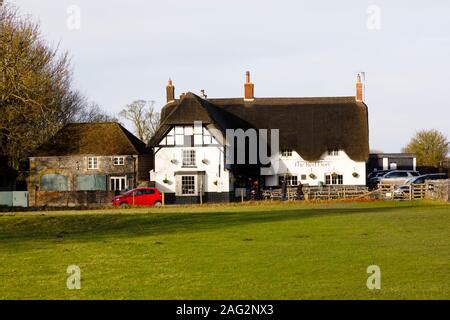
x=259 y=251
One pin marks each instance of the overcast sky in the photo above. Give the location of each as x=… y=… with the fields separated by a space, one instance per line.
x=127 y=50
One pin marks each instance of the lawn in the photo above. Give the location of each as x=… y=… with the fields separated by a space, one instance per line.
x=257 y=251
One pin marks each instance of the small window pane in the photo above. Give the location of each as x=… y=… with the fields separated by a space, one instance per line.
x=188 y=141
x=188 y=157
x=187 y=185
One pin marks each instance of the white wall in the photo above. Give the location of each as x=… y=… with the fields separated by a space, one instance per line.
x=340 y=164
x=165 y=168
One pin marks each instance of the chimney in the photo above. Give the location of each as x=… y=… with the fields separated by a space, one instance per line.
x=202 y=94
x=249 y=88
x=170 y=91
x=359 y=88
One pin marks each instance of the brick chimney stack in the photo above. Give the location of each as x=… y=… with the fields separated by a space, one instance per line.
x=170 y=91
x=249 y=88
x=359 y=88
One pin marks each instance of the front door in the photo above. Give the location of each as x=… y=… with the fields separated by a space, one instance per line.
x=118 y=183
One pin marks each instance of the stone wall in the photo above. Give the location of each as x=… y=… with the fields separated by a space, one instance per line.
x=71 y=198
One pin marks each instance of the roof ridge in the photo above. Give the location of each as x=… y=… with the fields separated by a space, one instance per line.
x=122 y=130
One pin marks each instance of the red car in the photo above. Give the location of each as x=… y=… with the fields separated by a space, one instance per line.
x=139 y=197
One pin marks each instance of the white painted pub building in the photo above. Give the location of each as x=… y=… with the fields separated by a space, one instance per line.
x=322 y=141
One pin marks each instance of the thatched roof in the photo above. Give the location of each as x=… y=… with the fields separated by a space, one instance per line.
x=105 y=138
x=310 y=126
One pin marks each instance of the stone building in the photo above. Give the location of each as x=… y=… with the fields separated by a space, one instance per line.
x=87 y=163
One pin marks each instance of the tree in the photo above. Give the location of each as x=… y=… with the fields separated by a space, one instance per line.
x=144 y=118
x=430 y=146
x=36 y=94
x=94 y=113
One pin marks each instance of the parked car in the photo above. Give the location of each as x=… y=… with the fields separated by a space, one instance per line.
x=397 y=177
x=139 y=197
x=403 y=190
x=377 y=173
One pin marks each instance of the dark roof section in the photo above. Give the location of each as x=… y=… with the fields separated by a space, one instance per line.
x=392 y=155
x=311 y=126
x=104 y=138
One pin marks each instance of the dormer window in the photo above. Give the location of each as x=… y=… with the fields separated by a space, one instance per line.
x=286 y=153
x=333 y=152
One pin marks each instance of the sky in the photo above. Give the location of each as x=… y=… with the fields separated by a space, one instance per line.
x=127 y=50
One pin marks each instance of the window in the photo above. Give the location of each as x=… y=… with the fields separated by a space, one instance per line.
x=91 y=182
x=188 y=141
x=54 y=182
x=397 y=174
x=92 y=163
x=119 y=161
x=188 y=158
x=188 y=185
x=118 y=183
x=188 y=136
x=286 y=153
x=290 y=180
x=333 y=152
x=149 y=191
x=334 y=179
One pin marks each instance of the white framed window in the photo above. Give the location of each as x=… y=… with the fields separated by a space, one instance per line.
x=333 y=152
x=92 y=163
x=188 y=157
x=334 y=179
x=286 y=153
x=290 y=180
x=119 y=161
x=118 y=183
x=188 y=185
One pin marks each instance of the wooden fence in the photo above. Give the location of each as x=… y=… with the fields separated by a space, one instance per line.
x=394 y=192
x=430 y=190
x=318 y=193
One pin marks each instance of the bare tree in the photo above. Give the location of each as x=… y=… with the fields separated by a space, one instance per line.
x=430 y=146
x=94 y=113
x=144 y=118
x=36 y=94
